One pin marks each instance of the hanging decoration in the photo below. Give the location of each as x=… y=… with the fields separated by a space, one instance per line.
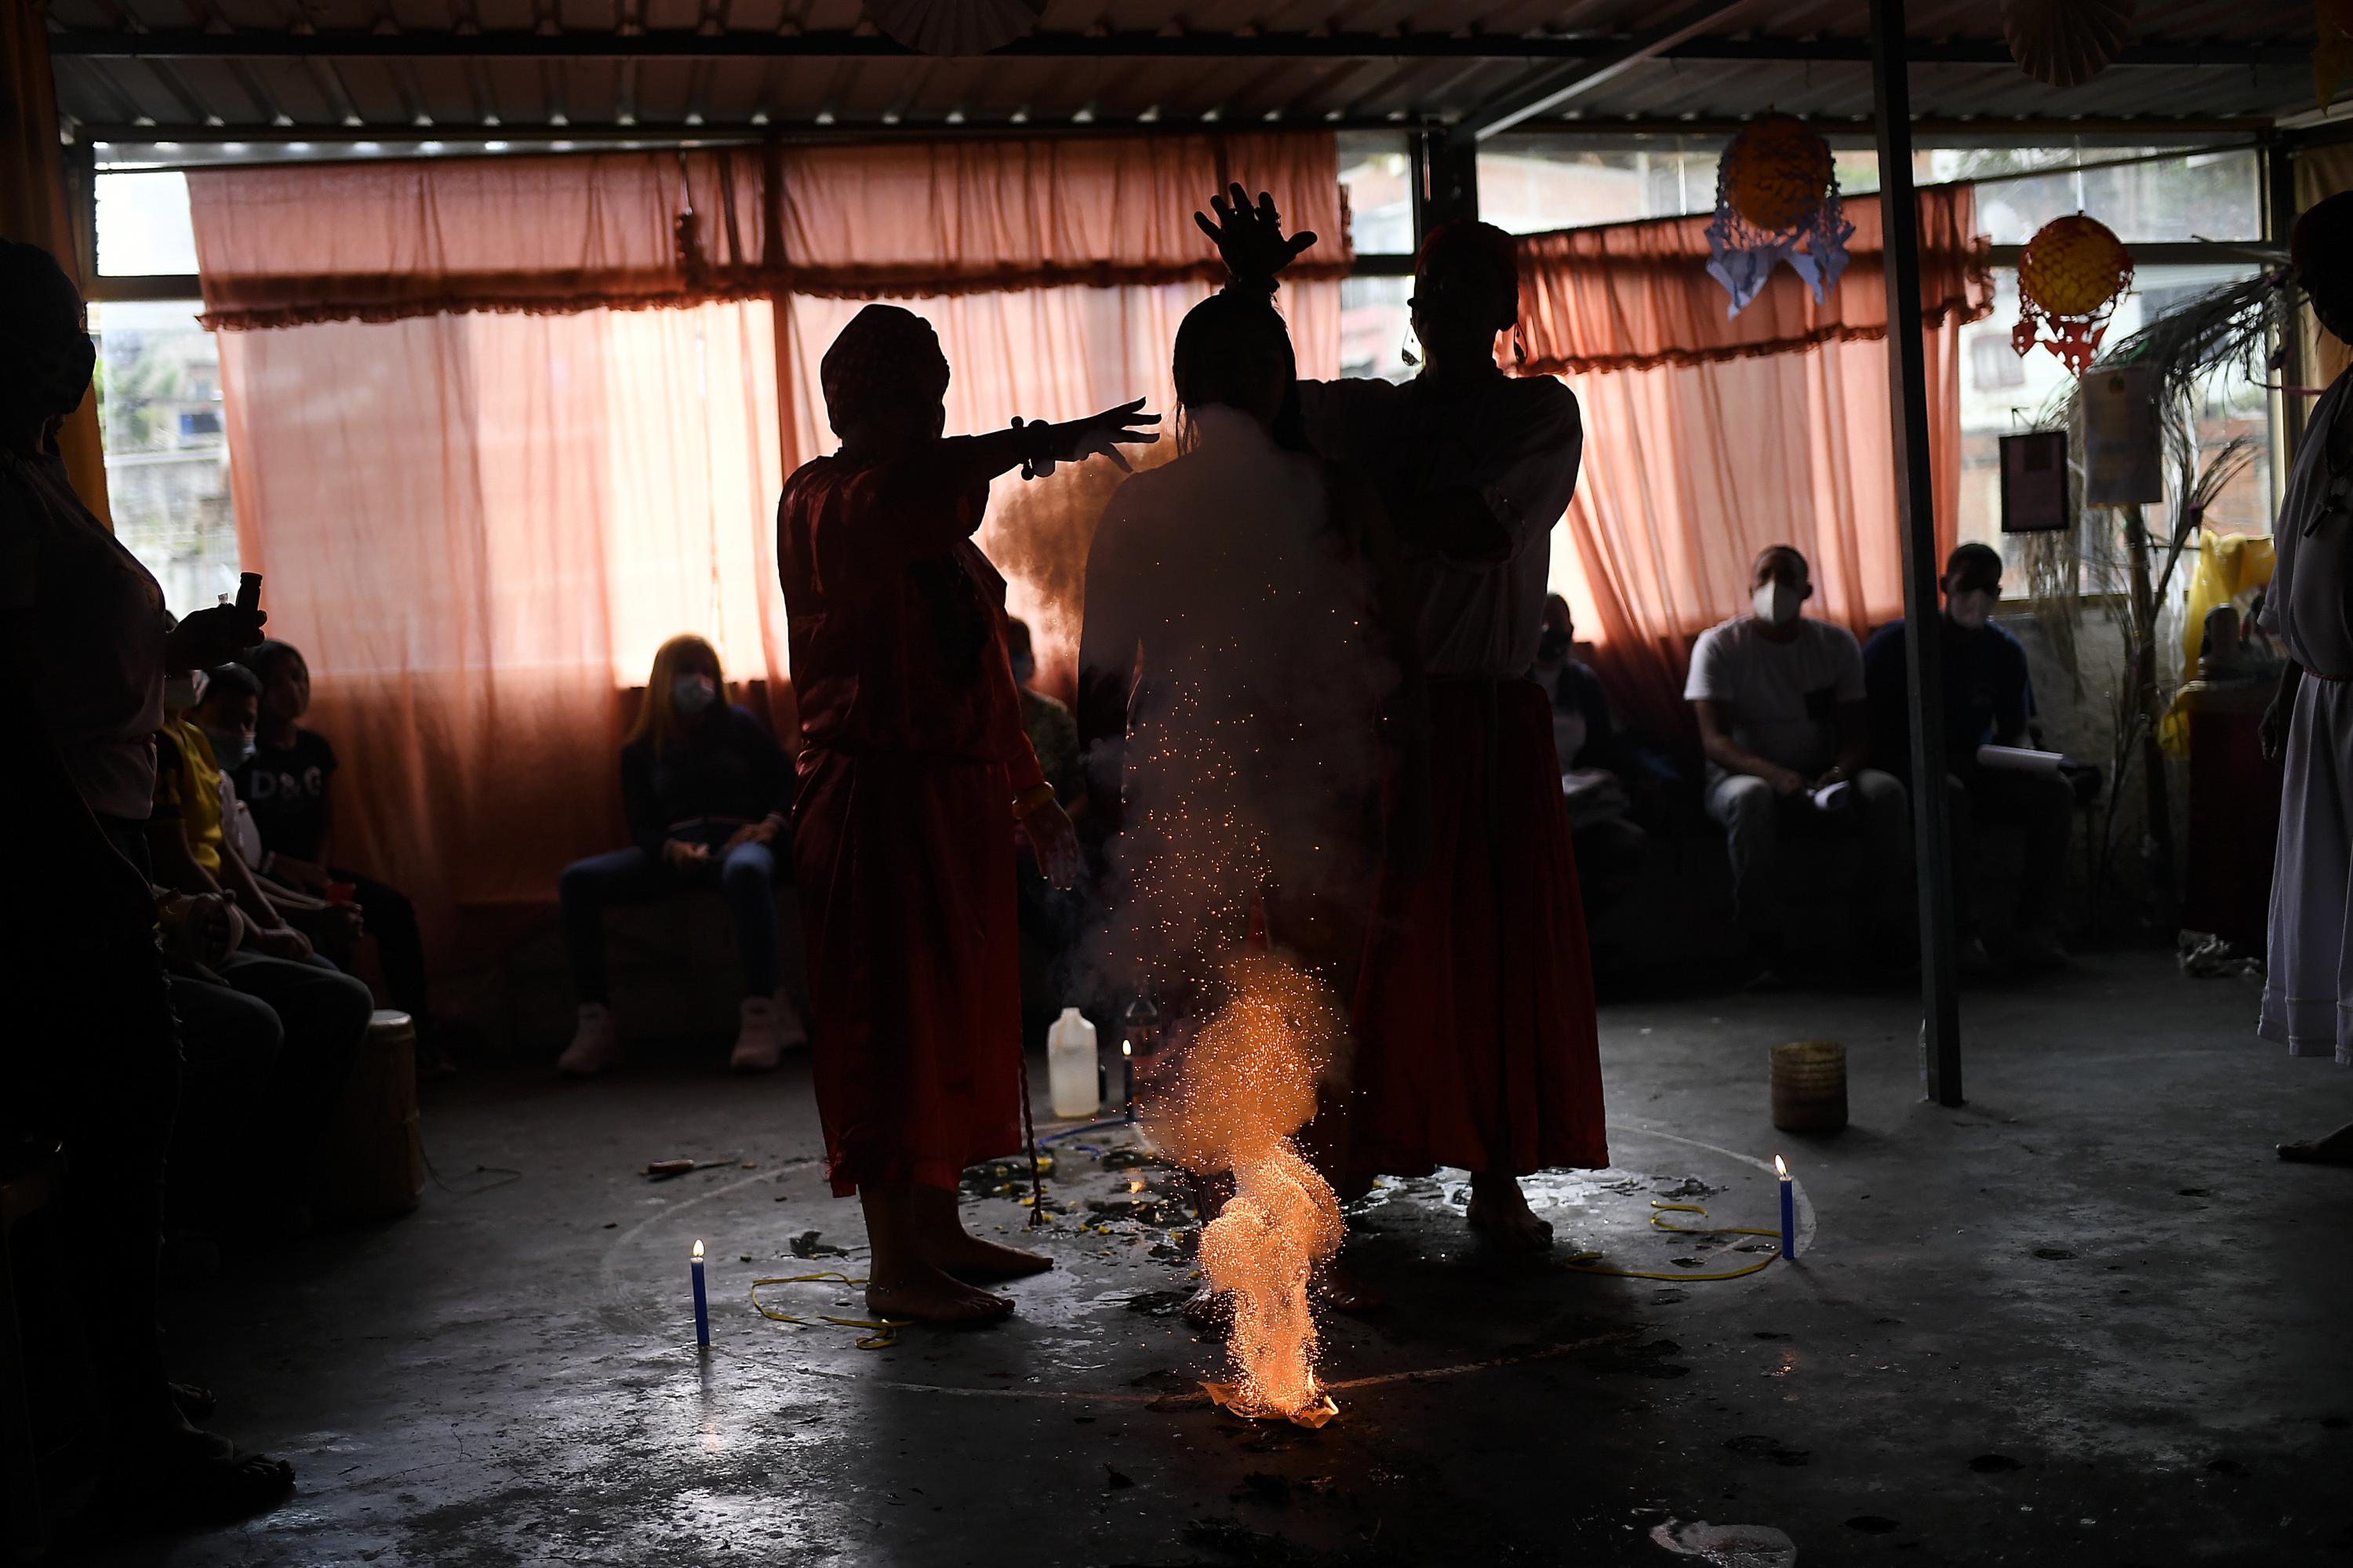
x=2070 y=277
x=1775 y=191
x=956 y=27
x=2332 y=47
x=2065 y=43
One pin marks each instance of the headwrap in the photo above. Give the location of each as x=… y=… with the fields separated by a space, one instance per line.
x=885 y=357
x=2323 y=236
x=45 y=355
x=1476 y=261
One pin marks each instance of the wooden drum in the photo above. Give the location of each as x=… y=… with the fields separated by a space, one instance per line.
x=375 y=1153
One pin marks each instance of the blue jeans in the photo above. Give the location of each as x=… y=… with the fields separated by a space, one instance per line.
x=746 y=875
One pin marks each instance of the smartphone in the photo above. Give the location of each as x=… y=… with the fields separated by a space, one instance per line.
x=248 y=591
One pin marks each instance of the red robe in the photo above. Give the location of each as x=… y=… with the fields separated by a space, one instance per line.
x=903 y=833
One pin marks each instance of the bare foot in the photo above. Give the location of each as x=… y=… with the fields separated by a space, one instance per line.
x=1500 y=1211
x=968 y=1257
x=185 y=1475
x=928 y=1295
x=1342 y=1291
x=1211 y=1311
x=2334 y=1148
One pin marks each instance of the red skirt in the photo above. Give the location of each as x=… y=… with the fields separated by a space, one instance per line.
x=905 y=870
x=1475 y=1038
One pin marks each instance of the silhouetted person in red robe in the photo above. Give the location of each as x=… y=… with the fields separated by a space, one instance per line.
x=914 y=774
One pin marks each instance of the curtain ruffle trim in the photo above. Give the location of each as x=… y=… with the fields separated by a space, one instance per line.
x=1960 y=312
x=345 y=297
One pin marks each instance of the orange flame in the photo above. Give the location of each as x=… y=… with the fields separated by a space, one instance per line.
x=1247 y=1084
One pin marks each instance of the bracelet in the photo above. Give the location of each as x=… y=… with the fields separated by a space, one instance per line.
x=1031 y=799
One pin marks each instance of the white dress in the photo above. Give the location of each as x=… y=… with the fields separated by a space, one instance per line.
x=2309 y=991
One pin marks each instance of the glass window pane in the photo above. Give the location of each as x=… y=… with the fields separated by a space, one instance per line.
x=1378 y=177
x=1529 y=185
x=144 y=228
x=2002 y=392
x=159 y=410
x=2195 y=196
x=1374 y=320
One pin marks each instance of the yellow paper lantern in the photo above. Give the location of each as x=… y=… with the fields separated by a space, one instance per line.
x=1776 y=172
x=2070 y=277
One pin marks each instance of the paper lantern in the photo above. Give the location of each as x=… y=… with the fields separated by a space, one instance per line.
x=956 y=27
x=1776 y=199
x=2070 y=277
x=2065 y=43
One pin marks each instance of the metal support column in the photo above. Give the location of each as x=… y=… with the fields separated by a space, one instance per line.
x=1445 y=179
x=1915 y=516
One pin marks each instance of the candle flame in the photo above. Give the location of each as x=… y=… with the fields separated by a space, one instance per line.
x=1780 y=1170
x=698 y=1252
x=1125 y=1049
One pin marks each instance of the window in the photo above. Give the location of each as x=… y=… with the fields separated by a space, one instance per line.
x=1378 y=176
x=2236 y=404
x=159 y=415
x=1374 y=323
x=144 y=226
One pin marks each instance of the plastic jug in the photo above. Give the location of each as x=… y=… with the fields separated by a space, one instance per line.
x=1071 y=1065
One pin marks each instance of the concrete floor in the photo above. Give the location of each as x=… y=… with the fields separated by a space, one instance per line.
x=2085 y=1318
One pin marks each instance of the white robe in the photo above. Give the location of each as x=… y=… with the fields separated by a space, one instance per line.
x=2308 y=990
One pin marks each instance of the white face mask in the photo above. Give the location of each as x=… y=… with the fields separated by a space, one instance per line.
x=1776 y=603
x=693 y=693
x=1970 y=608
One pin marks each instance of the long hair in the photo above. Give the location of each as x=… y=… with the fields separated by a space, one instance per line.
x=1216 y=332
x=658 y=723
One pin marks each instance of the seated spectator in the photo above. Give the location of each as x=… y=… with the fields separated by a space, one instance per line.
x=1779 y=698
x=229 y=1045
x=1049 y=917
x=706 y=790
x=1988 y=700
x=1598 y=772
x=287 y=785
x=323 y=1013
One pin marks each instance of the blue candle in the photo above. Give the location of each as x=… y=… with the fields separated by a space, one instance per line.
x=702 y=1304
x=1789 y=1211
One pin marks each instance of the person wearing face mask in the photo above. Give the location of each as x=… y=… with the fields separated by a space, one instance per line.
x=1988 y=700
x=84 y=626
x=286 y=785
x=1780 y=703
x=706 y=791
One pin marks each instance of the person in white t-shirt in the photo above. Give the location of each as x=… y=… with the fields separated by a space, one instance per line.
x=1783 y=720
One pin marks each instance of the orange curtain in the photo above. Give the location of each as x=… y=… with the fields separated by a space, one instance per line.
x=480 y=499
x=1708 y=439
x=34 y=206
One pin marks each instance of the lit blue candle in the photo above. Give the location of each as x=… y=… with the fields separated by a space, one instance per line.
x=1788 y=1213
x=702 y=1304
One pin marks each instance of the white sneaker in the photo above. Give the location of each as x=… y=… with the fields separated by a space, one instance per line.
x=792 y=1030
x=596 y=1044
x=757 y=1046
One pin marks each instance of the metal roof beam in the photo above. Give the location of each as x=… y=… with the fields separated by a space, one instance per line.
x=1548 y=89
x=1589 y=51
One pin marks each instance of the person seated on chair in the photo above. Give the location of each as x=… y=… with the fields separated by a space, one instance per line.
x=323 y=1013
x=706 y=790
x=1988 y=700
x=287 y=786
x=1779 y=698
x=1598 y=772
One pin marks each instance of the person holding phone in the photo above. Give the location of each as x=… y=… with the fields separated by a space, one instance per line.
x=85 y=627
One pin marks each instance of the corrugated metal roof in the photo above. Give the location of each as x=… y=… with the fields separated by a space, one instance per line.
x=359 y=66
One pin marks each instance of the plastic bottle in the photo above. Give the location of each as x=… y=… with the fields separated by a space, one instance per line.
x=1071 y=1064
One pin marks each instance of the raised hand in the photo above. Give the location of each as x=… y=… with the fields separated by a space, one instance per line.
x=1102 y=435
x=1249 y=239
x=210 y=637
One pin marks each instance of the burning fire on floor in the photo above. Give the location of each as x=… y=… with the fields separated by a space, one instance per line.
x=1246 y=1084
